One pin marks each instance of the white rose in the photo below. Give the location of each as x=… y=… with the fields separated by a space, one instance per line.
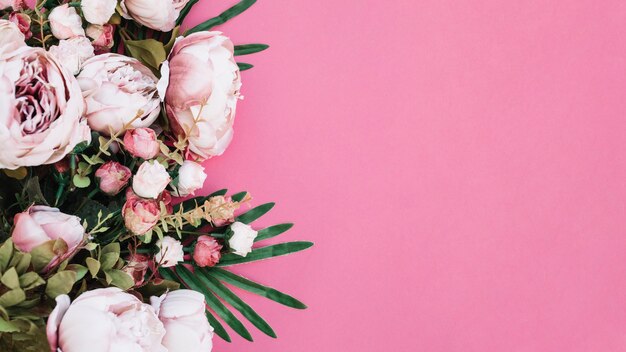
x=98 y=11
x=65 y=22
x=170 y=252
x=191 y=177
x=242 y=239
x=150 y=180
x=72 y=53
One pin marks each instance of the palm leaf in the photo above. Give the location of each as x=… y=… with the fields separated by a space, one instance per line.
x=272 y=231
x=247 y=49
x=244 y=66
x=275 y=250
x=255 y=213
x=185 y=11
x=224 y=17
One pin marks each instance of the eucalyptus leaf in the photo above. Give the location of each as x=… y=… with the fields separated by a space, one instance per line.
x=12 y=297
x=60 y=283
x=10 y=279
x=151 y=52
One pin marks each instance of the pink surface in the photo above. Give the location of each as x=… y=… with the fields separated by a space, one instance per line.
x=460 y=165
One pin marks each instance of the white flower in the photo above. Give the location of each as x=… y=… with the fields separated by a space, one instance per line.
x=150 y=180
x=72 y=53
x=170 y=252
x=65 y=22
x=242 y=239
x=191 y=177
x=98 y=11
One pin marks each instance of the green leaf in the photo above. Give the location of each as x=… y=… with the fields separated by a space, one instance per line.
x=20 y=261
x=108 y=260
x=217 y=327
x=5 y=254
x=31 y=280
x=80 y=270
x=238 y=197
x=254 y=213
x=256 y=288
x=42 y=255
x=13 y=297
x=93 y=265
x=185 y=11
x=244 y=66
x=149 y=51
x=81 y=181
x=272 y=231
x=10 y=279
x=120 y=279
x=192 y=281
x=60 y=283
x=32 y=192
x=275 y=250
x=248 y=49
x=240 y=7
x=237 y=303
x=7 y=326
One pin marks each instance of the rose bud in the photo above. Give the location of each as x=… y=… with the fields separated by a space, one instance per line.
x=141 y=143
x=150 y=180
x=191 y=177
x=11 y=38
x=170 y=252
x=102 y=37
x=242 y=239
x=140 y=215
x=203 y=110
x=113 y=177
x=65 y=22
x=137 y=266
x=98 y=11
x=160 y=15
x=72 y=53
x=40 y=224
x=104 y=320
x=186 y=326
x=207 y=252
x=23 y=23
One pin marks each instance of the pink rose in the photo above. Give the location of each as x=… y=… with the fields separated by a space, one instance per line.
x=65 y=22
x=41 y=110
x=40 y=224
x=207 y=252
x=11 y=37
x=151 y=179
x=102 y=36
x=113 y=176
x=117 y=89
x=140 y=214
x=203 y=110
x=156 y=14
x=104 y=320
x=98 y=11
x=72 y=53
x=141 y=143
x=137 y=266
x=23 y=23
x=182 y=313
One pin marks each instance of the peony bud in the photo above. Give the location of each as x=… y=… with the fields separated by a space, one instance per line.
x=141 y=143
x=22 y=21
x=170 y=252
x=72 y=53
x=113 y=177
x=140 y=215
x=150 y=180
x=65 y=22
x=207 y=252
x=242 y=239
x=98 y=11
x=102 y=36
x=191 y=177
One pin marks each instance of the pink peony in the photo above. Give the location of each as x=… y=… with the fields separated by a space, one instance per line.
x=113 y=177
x=104 y=320
x=41 y=109
x=23 y=23
x=11 y=37
x=98 y=11
x=207 y=252
x=203 y=110
x=72 y=53
x=141 y=143
x=156 y=14
x=140 y=215
x=65 y=22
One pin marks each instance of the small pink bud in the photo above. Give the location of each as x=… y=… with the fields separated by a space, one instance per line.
x=113 y=177
x=23 y=23
x=141 y=143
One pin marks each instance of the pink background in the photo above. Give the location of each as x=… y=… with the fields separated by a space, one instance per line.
x=460 y=165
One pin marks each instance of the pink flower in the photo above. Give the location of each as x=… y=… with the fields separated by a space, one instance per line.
x=141 y=143
x=113 y=177
x=104 y=320
x=98 y=11
x=191 y=177
x=202 y=109
x=41 y=109
x=140 y=215
x=183 y=315
x=102 y=36
x=23 y=23
x=40 y=224
x=207 y=252
x=17 y=5
x=117 y=89
x=156 y=14
x=65 y=22
x=72 y=53
x=170 y=252
x=137 y=266
x=150 y=180
x=11 y=37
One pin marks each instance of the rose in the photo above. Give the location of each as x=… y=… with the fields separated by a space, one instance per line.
x=191 y=177
x=140 y=215
x=137 y=266
x=113 y=176
x=72 y=53
x=40 y=224
x=23 y=23
x=120 y=92
x=156 y=14
x=98 y=11
x=11 y=37
x=207 y=252
x=170 y=252
x=203 y=110
x=141 y=143
x=40 y=110
x=150 y=180
x=104 y=320
x=242 y=238
x=102 y=36
x=65 y=22
x=182 y=313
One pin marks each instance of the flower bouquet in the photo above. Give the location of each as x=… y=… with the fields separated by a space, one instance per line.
x=107 y=110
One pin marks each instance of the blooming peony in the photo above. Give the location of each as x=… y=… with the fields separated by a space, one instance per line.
x=98 y=11
x=141 y=143
x=242 y=239
x=117 y=89
x=72 y=53
x=150 y=180
x=65 y=22
x=191 y=177
x=203 y=110
x=170 y=252
x=104 y=320
x=156 y=14
x=113 y=177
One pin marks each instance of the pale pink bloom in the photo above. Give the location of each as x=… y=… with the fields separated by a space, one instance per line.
x=65 y=22
x=182 y=313
x=41 y=109
x=40 y=224
x=102 y=36
x=118 y=88
x=156 y=14
x=151 y=179
x=113 y=177
x=207 y=252
x=11 y=37
x=72 y=53
x=22 y=21
x=98 y=11
x=170 y=252
x=141 y=143
x=202 y=109
x=191 y=177
x=17 y=5
x=136 y=267
x=140 y=214
x=242 y=239
x=104 y=320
